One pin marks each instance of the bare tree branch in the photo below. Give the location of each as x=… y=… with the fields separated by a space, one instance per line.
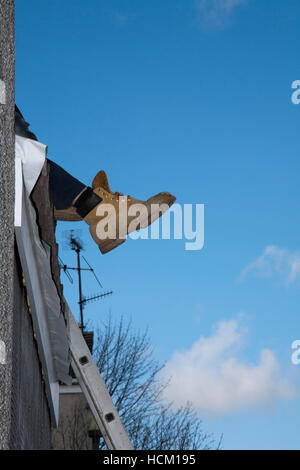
x=125 y=361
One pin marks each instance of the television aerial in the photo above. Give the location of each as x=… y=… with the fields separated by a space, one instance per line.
x=74 y=243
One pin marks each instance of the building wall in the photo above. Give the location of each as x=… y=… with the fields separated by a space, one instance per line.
x=30 y=417
x=24 y=414
x=75 y=422
x=7 y=166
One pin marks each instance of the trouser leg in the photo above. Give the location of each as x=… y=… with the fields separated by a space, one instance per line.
x=64 y=188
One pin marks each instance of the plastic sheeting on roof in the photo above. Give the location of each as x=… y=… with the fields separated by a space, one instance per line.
x=32 y=154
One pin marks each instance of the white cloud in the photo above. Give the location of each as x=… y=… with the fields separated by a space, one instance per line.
x=217 y=12
x=214 y=380
x=275 y=261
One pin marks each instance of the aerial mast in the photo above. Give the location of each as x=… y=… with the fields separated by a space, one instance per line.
x=76 y=245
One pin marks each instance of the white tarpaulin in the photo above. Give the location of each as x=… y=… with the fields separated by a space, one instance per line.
x=36 y=262
x=32 y=154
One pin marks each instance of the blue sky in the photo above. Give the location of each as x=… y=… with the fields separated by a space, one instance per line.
x=191 y=97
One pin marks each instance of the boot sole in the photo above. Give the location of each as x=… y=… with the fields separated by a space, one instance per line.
x=108 y=245
x=67 y=215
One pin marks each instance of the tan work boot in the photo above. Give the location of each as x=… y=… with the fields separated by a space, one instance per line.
x=116 y=215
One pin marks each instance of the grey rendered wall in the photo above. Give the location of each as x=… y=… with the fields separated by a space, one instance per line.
x=6 y=213
x=30 y=416
x=24 y=414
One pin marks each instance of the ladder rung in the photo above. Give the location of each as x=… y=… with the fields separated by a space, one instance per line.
x=95 y=391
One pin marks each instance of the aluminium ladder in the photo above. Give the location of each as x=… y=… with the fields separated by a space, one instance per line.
x=95 y=391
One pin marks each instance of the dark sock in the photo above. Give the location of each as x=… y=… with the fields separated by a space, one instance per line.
x=86 y=202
